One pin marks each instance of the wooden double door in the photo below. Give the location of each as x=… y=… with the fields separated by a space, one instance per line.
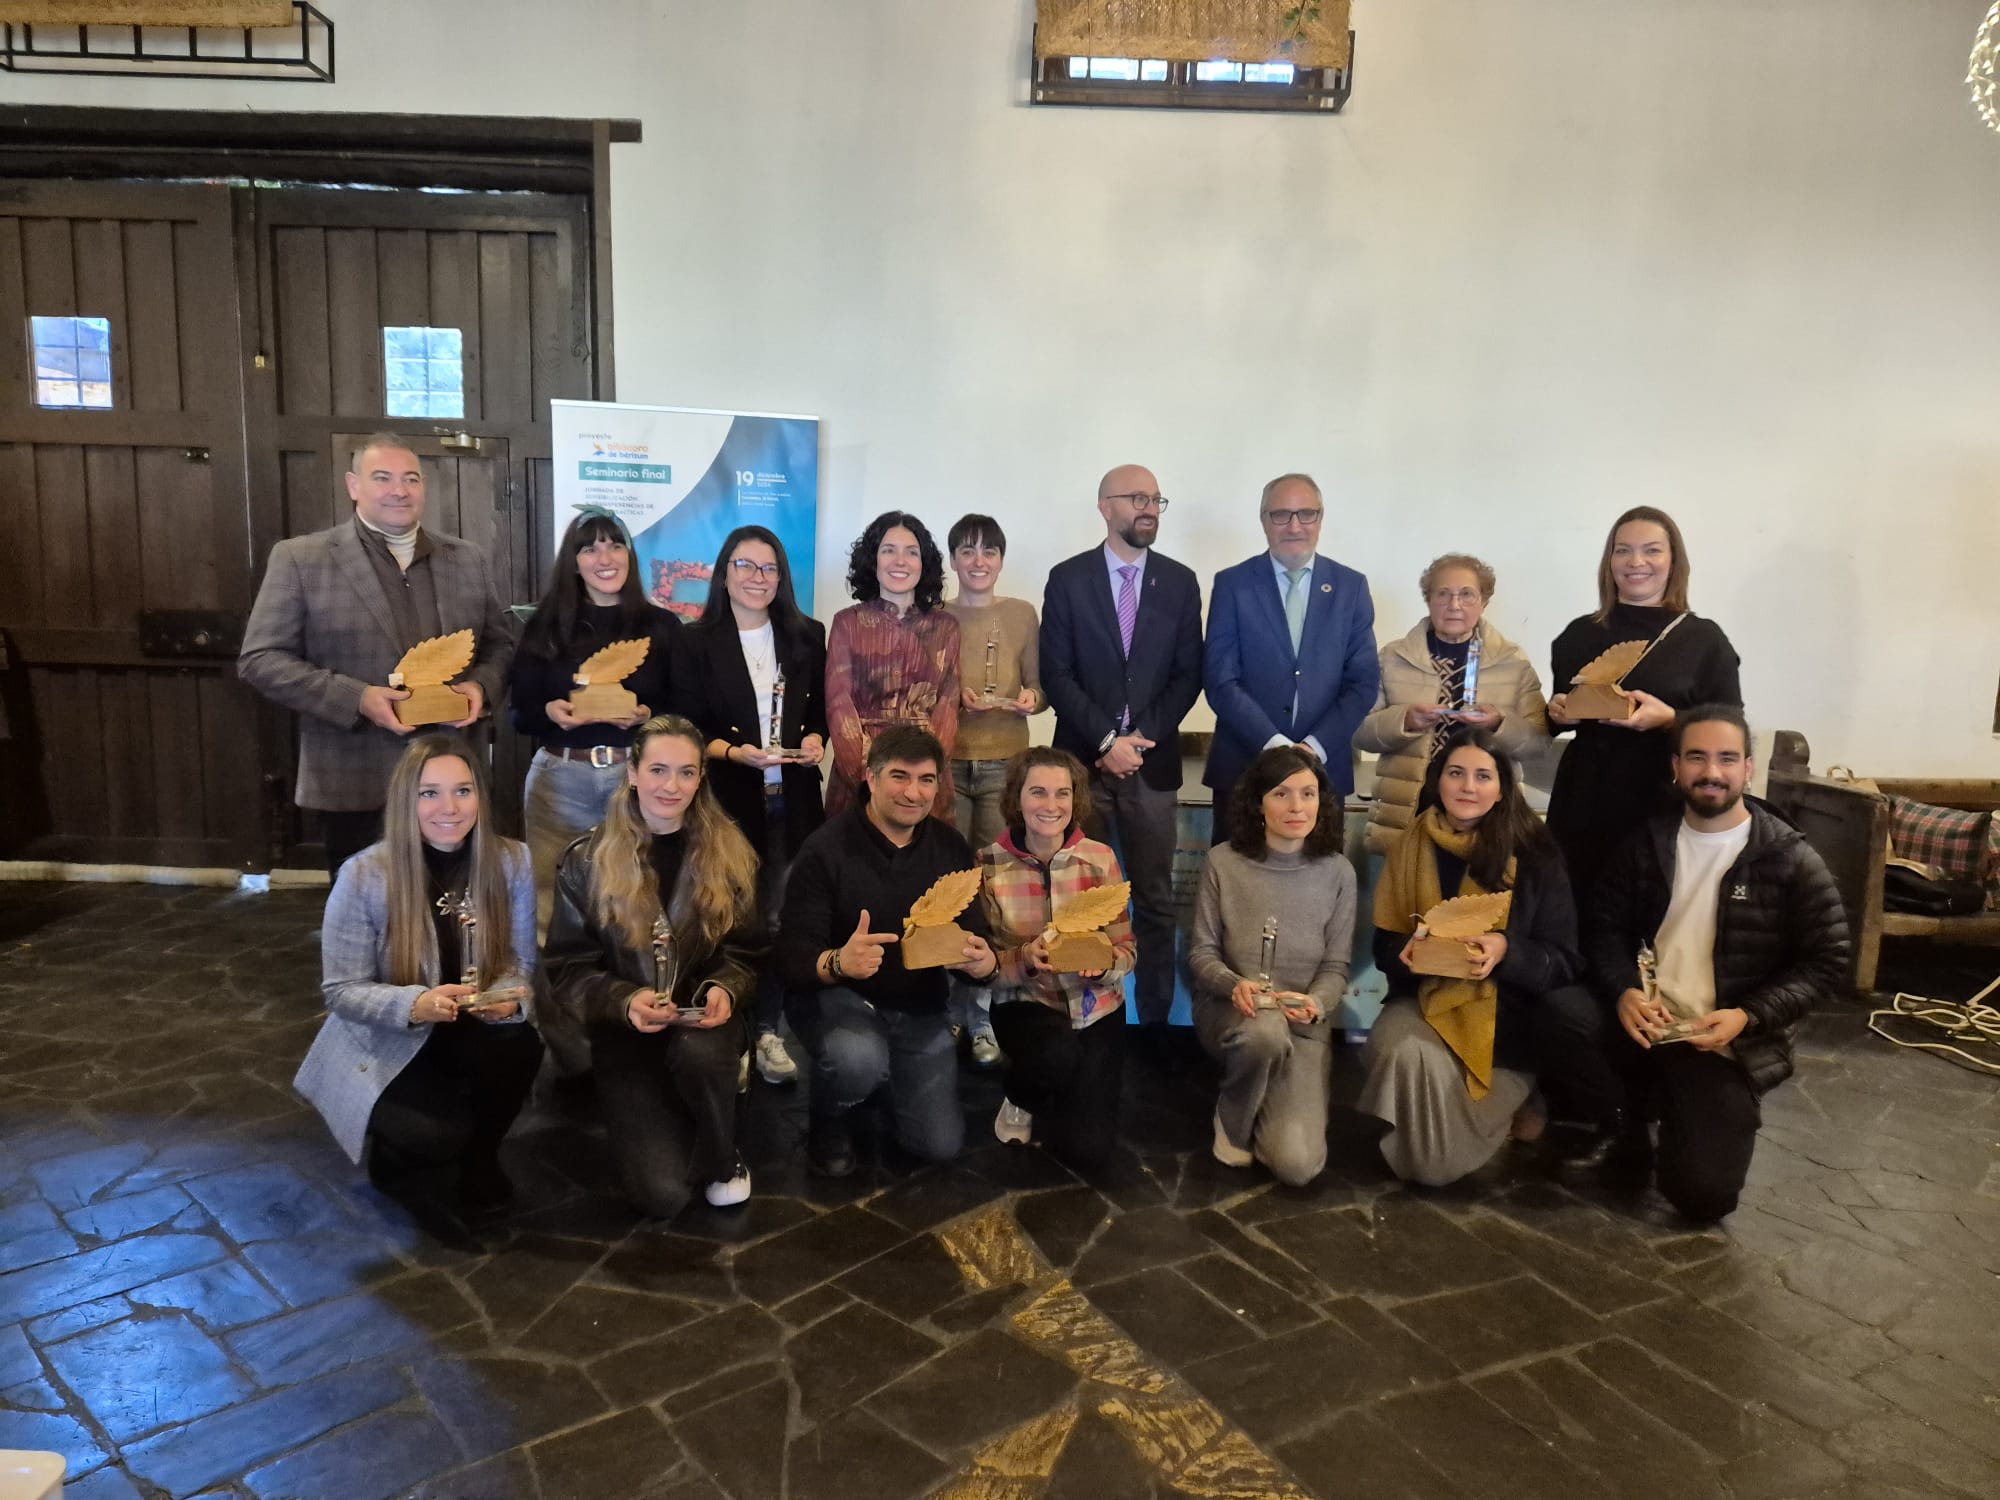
x=249 y=347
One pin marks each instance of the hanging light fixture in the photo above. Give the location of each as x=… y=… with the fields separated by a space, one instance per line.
x=1980 y=73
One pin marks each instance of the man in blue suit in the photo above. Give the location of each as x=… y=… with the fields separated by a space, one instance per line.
x=1121 y=664
x=1291 y=648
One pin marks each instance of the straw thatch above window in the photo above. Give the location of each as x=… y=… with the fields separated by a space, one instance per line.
x=1305 y=34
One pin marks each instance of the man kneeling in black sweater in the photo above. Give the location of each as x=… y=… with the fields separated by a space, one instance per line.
x=865 y=1019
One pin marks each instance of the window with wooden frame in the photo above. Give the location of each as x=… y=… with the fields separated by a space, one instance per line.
x=1194 y=54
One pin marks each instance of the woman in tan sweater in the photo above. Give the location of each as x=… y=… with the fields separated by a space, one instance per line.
x=1423 y=695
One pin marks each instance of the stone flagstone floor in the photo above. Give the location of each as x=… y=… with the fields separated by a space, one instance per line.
x=200 y=1296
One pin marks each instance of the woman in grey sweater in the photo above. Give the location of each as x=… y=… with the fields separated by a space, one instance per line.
x=1273 y=927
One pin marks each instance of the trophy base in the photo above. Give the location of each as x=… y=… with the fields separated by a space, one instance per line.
x=934 y=947
x=1599 y=700
x=431 y=703
x=1444 y=958
x=603 y=702
x=1081 y=952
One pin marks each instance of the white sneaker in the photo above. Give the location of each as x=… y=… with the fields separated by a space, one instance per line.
x=1226 y=1151
x=1013 y=1123
x=774 y=1063
x=985 y=1050
x=729 y=1194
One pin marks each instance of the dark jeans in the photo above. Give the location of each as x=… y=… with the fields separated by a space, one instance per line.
x=346 y=834
x=774 y=864
x=1138 y=821
x=669 y=1102
x=857 y=1048
x=1066 y=1078
x=459 y=1095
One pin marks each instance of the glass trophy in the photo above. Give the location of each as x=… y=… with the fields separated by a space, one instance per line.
x=666 y=970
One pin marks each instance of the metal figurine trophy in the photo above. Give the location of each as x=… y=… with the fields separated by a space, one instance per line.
x=461 y=907
x=990 y=694
x=775 y=739
x=1267 y=960
x=1677 y=1030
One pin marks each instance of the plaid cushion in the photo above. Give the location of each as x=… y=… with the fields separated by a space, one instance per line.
x=1955 y=841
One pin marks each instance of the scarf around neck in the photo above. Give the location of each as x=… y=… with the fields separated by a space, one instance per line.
x=1463 y=1012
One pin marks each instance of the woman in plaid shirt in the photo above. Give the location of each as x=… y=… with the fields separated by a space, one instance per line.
x=1063 y=1034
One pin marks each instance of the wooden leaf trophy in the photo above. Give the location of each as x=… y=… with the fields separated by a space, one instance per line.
x=426 y=670
x=931 y=938
x=1441 y=947
x=1077 y=944
x=597 y=695
x=1594 y=692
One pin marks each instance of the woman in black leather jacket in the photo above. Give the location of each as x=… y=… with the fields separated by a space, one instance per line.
x=653 y=947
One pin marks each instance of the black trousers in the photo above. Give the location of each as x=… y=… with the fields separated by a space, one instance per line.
x=1067 y=1079
x=1708 y=1112
x=459 y=1095
x=346 y=834
x=669 y=1102
x=773 y=866
x=1572 y=1040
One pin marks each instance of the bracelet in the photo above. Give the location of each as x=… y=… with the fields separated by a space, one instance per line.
x=833 y=965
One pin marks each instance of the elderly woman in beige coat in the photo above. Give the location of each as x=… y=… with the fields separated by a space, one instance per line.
x=1423 y=694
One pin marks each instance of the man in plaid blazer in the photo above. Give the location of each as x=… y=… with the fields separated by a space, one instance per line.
x=337 y=610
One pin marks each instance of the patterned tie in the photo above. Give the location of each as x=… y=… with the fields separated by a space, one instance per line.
x=1128 y=604
x=1295 y=604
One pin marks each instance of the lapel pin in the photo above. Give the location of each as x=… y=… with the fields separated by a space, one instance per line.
x=1326 y=588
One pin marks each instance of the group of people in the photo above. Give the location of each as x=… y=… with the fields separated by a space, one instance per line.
x=689 y=889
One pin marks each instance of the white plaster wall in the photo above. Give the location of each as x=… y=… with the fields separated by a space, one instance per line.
x=1731 y=257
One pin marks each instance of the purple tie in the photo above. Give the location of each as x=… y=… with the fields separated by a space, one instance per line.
x=1128 y=603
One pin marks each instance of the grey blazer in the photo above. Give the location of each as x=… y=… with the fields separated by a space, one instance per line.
x=321 y=631
x=367 y=1038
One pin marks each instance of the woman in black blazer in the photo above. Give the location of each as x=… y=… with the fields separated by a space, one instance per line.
x=753 y=649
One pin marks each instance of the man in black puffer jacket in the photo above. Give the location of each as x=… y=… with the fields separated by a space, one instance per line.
x=1747 y=932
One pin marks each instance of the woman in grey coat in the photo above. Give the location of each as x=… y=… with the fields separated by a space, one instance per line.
x=1273 y=928
x=425 y=952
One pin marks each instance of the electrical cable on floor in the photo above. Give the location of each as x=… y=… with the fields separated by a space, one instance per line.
x=1974 y=1025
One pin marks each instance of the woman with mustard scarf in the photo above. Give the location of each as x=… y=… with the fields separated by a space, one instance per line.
x=1451 y=1062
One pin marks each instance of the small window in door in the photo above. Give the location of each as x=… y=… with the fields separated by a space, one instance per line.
x=424 y=371
x=72 y=361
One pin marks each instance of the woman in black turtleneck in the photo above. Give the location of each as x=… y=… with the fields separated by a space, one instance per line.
x=424 y=1059
x=593 y=598
x=1617 y=772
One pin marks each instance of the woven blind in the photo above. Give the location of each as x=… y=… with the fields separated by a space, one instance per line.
x=1193 y=31
x=147 y=12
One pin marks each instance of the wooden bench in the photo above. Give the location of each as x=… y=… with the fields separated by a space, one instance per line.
x=1850 y=829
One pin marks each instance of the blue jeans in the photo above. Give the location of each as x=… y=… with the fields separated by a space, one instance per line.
x=563 y=799
x=977 y=785
x=857 y=1048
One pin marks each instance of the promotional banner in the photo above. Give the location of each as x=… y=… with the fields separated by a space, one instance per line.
x=681 y=480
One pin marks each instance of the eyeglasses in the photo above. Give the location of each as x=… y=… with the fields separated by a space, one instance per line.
x=1142 y=501
x=743 y=568
x=1288 y=517
x=1455 y=596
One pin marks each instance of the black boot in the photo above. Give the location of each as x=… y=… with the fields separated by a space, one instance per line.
x=1622 y=1147
x=484 y=1188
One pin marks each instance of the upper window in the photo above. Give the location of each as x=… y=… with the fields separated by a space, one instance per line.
x=424 y=371
x=72 y=362
x=1199 y=54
